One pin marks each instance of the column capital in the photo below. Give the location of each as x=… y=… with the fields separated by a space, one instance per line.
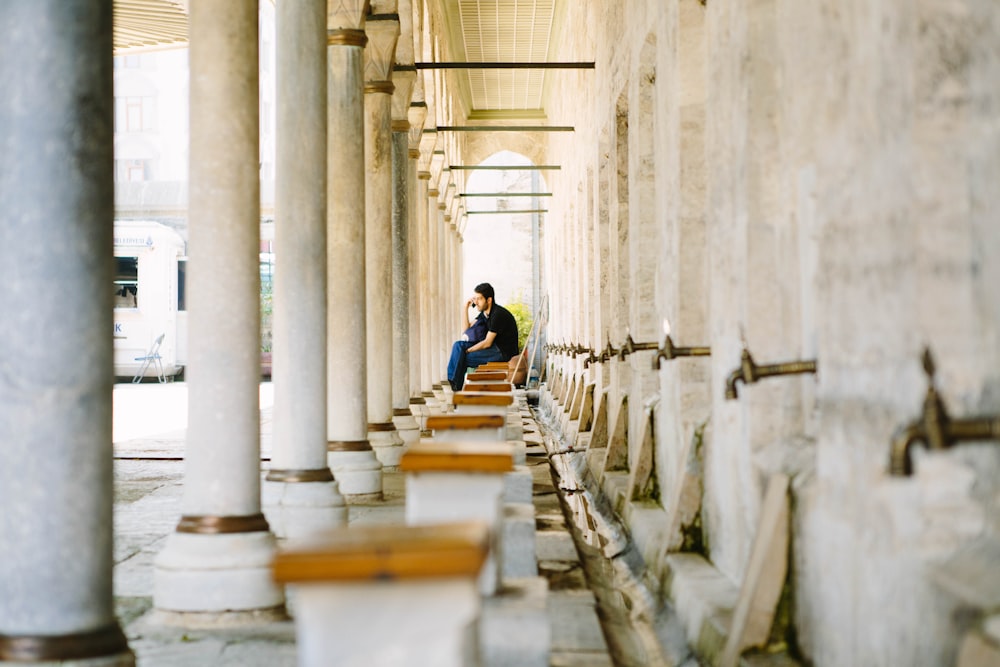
x=383 y=33
x=416 y=114
x=403 y=80
x=346 y=15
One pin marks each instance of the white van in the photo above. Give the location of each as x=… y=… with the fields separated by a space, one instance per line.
x=150 y=268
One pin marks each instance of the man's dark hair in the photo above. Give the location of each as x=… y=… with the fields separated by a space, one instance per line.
x=486 y=290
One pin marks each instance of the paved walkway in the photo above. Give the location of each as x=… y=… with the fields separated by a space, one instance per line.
x=150 y=422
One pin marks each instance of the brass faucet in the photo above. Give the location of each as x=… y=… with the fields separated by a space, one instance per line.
x=631 y=346
x=608 y=353
x=935 y=428
x=579 y=349
x=591 y=358
x=750 y=372
x=670 y=351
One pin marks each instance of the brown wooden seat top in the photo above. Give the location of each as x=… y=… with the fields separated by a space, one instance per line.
x=458 y=456
x=479 y=376
x=492 y=365
x=380 y=552
x=464 y=422
x=489 y=385
x=482 y=398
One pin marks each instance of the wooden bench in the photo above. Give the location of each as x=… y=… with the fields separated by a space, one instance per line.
x=465 y=426
x=458 y=481
x=417 y=581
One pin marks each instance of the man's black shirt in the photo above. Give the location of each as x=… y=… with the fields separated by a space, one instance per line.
x=503 y=323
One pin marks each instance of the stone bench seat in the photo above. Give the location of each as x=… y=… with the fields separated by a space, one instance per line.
x=450 y=481
x=420 y=579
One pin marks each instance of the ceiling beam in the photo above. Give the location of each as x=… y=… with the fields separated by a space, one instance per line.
x=504 y=167
x=509 y=212
x=505 y=128
x=504 y=194
x=505 y=65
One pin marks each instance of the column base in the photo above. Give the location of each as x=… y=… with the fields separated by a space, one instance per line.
x=296 y=509
x=407 y=426
x=217 y=572
x=387 y=443
x=106 y=647
x=357 y=471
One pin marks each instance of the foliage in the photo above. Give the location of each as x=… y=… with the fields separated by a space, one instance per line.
x=266 y=310
x=522 y=315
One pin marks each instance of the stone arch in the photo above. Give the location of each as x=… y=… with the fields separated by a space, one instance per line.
x=498 y=248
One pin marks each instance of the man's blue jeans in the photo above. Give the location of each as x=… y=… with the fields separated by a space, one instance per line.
x=460 y=361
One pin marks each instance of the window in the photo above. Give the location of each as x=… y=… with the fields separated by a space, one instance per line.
x=135 y=113
x=126 y=282
x=182 y=284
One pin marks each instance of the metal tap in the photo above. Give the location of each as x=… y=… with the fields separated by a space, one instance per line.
x=935 y=428
x=669 y=351
x=750 y=372
x=630 y=346
x=591 y=358
x=608 y=353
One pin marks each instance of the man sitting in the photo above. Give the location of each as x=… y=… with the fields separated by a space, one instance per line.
x=500 y=343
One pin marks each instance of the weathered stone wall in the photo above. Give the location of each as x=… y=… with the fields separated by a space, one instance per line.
x=814 y=181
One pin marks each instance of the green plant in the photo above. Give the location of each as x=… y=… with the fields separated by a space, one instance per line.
x=266 y=311
x=522 y=315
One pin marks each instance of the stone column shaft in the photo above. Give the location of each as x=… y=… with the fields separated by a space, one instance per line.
x=425 y=288
x=403 y=419
x=382 y=433
x=300 y=493
x=218 y=559
x=350 y=454
x=434 y=289
x=413 y=187
x=55 y=417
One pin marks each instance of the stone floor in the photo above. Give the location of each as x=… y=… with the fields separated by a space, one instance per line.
x=149 y=476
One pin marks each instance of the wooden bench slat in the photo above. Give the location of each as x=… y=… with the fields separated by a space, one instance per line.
x=380 y=552
x=482 y=398
x=492 y=365
x=489 y=386
x=462 y=422
x=479 y=376
x=458 y=456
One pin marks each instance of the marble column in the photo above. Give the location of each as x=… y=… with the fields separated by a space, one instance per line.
x=417 y=194
x=300 y=493
x=447 y=300
x=434 y=289
x=407 y=427
x=57 y=191
x=350 y=455
x=383 y=32
x=424 y=291
x=218 y=559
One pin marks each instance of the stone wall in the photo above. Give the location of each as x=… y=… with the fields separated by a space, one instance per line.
x=811 y=181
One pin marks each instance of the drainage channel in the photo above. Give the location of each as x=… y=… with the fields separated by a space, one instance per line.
x=639 y=630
